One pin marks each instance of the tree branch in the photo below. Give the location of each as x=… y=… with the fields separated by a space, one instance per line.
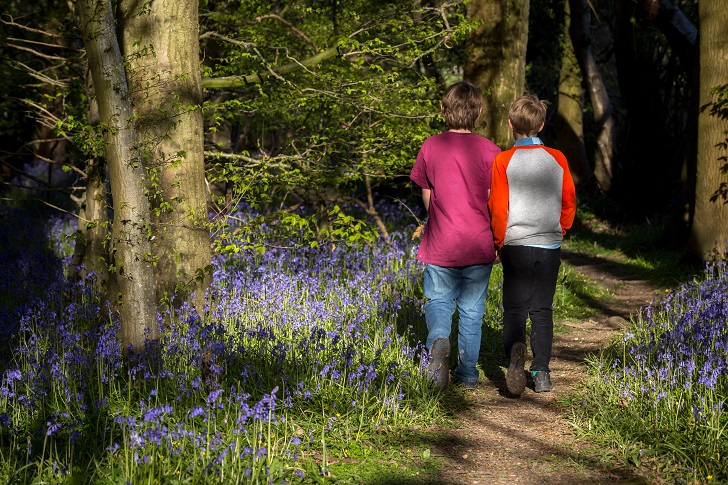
x=39 y=75
x=37 y=53
x=290 y=26
x=252 y=162
x=30 y=29
x=229 y=82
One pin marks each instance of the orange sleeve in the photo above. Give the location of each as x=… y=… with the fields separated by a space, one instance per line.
x=498 y=200
x=568 y=198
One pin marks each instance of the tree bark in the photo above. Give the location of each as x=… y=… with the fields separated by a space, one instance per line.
x=710 y=223
x=162 y=45
x=496 y=62
x=605 y=121
x=90 y=253
x=130 y=243
x=569 y=120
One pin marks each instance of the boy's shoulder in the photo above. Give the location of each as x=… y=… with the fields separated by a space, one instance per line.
x=554 y=152
x=551 y=150
x=451 y=136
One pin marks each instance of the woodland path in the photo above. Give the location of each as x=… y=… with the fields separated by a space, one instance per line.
x=504 y=440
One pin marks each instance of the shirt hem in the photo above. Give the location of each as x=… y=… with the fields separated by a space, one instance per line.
x=450 y=264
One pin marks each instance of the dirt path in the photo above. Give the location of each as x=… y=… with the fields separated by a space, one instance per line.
x=504 y=440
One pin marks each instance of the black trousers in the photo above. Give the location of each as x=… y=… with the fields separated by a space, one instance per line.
x=529 y=284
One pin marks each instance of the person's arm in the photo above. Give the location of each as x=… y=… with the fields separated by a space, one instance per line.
x=498 y=200
x=426 y=194
x=568 y=201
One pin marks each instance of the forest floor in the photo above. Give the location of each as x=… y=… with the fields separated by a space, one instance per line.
x=500 y=439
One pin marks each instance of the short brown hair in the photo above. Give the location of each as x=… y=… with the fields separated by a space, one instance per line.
x=527 y=114
x=461 y=105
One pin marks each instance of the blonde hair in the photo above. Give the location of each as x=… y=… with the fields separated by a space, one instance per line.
x=461 y=105
x=527 y=114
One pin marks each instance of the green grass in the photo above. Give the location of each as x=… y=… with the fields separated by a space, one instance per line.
x=651 y=250
x=575 y=296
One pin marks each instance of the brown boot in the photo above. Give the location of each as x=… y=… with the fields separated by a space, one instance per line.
x=439 y=367
x=516 y=376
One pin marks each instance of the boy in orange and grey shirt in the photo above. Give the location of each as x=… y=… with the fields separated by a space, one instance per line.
x=532 y=204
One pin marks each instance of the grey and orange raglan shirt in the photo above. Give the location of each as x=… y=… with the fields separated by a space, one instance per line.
x=532 y=196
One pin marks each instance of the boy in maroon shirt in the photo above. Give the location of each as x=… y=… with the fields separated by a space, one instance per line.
x=454 y=171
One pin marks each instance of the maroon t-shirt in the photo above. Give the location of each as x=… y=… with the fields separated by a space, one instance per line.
x=457 y=168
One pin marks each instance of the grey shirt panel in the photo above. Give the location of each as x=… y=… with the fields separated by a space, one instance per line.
x=535 y=182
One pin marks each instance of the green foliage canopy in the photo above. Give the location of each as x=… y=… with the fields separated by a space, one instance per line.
x=312 y=135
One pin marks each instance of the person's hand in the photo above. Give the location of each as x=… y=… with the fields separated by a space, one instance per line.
x=497 y=259
x=418 y=231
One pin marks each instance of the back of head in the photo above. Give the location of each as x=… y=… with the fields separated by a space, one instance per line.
x=461 y=105
x=527 y=115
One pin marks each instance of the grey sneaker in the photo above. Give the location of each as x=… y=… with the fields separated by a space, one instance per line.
x=439 y=366
x=541 y=381
x=468 y=386
x=516 y=376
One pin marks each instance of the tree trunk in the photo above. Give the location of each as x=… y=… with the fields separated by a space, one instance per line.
x=496 y=62
x=653 y=105
x=605 y=121
x=569 y=123
x=162 y=44
x=90 y=253
x=130 y=243
x=710 y=224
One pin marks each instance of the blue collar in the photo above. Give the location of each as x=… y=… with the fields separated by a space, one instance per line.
x=528 y=141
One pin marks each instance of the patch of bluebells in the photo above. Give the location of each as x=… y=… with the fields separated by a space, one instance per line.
x=287 y=330
x=675 y=368
x=682 y=340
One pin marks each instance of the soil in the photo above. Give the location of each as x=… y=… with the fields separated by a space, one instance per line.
x=501 y=439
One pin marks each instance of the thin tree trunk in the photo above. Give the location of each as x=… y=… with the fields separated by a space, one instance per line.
x=168 y=107
x=710 y=225
x=682 y=36
x=130 y=233
x=371 y=211
x=604 y=119
x=496 y=61
x=90 y=253
x=569 y=122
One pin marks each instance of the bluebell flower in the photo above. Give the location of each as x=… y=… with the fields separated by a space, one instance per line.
x=196 y=411
x=52 y=428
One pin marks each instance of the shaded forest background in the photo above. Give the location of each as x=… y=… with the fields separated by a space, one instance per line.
x=312 y=111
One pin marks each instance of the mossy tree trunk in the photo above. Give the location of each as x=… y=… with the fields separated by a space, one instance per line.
x=161 y=42
x=130 y=242
x=604 y=118
x=496 y=61
x=569 y=119
x=91 y=252
x=710 y=224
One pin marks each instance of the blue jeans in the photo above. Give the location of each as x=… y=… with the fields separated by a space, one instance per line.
x=464 y=288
